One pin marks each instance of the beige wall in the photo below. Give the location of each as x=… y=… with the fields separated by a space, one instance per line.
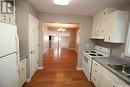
x=45 y=38
x=23 y=9
x=22 y=21
x=85 y=27
x=72 y=38
x=77 y=39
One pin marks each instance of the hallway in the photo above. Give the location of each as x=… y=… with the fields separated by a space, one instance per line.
x=59 y=71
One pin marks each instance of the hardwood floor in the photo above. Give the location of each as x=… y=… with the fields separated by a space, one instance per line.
x=59 y=71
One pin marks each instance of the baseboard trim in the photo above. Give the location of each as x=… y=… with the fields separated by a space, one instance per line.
x=73 y=49
x=28 y=80
x=78 y=68
x=45 y=50
x=40 y=68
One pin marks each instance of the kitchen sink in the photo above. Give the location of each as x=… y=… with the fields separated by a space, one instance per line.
x=123 y=69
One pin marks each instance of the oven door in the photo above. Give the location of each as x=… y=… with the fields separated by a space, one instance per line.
x=86 y=66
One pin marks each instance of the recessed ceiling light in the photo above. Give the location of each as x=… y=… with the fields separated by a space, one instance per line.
x=61 y=2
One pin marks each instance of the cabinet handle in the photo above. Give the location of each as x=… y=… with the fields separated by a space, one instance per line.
x=4 y=18
x=32 y=52
x=94 y=79
x=22 y=68
x=109 y=38
x=9 y=19
x=104 y=12
x=19 y=72
x=98 y=31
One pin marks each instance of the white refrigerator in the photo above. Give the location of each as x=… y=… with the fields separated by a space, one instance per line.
x=9 y=55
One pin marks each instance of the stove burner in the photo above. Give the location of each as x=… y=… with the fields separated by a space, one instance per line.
x=87 y=51
x=92 y=51
x=92 y=54
x=99 y=54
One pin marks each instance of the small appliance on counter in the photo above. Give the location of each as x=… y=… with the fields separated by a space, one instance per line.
x=88 y=55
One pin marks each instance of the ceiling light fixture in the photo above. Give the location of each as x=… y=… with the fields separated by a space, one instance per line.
x=61 y=30
x=61 y=2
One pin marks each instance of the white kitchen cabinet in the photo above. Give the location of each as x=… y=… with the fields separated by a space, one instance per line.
x=115 y=78
x=22 y=72
x=107 y=82
x=102 y=77
x=99 y=22
x=110 y=25
x=98 y=31
x=96 y=74
x=116 y=27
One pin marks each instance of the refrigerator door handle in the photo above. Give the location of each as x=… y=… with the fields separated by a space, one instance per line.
x=17 y=49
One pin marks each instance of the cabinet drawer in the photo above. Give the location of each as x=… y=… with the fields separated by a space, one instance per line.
x=96 y=65
x=95 y=81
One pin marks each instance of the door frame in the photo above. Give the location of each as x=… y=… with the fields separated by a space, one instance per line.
x=41 y=44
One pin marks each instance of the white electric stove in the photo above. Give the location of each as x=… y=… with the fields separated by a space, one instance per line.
x=88 y=56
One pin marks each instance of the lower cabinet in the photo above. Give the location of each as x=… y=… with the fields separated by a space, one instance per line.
x=102 y=77
x=22 y=73
x=96 y=74
x=107 y=82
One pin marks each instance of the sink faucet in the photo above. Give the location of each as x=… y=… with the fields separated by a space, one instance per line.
x=124 y=66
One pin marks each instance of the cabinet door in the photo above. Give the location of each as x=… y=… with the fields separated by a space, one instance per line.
x=23 y=71
x=96 y=74
x=95 y=21
x=108 y=28
x=108 y=82
x=102 y=16
x=95 y=77
x=98 y=29
x=20 y=76
x=116 y=27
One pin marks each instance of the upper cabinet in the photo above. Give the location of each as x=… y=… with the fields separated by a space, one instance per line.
x=116 y=27
x=110 y=25
x=98 y=30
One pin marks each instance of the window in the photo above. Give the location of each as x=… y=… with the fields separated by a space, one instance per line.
x=127 y=52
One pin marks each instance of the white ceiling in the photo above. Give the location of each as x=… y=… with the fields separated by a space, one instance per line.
x=76 y=7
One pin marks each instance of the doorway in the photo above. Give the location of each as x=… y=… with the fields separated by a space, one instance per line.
x=58 y=39
x=59 y=35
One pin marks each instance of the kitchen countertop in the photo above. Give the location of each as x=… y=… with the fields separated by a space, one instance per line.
x=113 y=61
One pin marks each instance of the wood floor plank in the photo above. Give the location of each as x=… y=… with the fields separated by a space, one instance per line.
x=59 y=71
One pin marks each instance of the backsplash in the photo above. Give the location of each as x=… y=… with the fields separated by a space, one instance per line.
x=116 y=49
